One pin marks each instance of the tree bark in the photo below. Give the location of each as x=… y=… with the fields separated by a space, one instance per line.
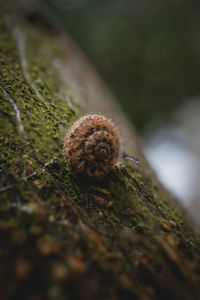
x=122 y=237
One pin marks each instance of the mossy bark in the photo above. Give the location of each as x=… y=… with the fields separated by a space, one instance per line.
x=123 y=237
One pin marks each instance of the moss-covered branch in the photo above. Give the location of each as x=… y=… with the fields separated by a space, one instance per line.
x=62 y=238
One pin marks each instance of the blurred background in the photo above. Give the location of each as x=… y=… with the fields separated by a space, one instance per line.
x=148 y=52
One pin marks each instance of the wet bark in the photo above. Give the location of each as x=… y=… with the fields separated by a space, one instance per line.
x=122 y=237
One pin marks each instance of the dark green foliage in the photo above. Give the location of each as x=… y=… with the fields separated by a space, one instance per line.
x=148 y=51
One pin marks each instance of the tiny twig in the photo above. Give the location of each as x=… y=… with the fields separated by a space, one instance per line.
x=132 y=158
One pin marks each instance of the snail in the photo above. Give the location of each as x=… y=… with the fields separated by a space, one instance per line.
x=92 y=146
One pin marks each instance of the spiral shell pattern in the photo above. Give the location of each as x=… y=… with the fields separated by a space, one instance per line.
x=92 y=146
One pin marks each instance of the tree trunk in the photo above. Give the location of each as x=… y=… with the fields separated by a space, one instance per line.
x=122 y=237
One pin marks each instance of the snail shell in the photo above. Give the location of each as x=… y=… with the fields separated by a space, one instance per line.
x=92 y=146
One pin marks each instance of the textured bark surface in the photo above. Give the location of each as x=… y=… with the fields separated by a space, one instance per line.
x=122 y=237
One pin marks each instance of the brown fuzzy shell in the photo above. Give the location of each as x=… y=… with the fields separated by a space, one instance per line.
x=92 y=146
